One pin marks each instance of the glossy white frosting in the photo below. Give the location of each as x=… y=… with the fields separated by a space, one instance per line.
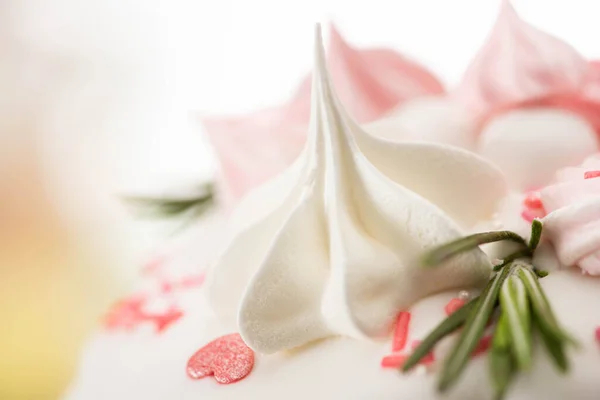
x=331 y=246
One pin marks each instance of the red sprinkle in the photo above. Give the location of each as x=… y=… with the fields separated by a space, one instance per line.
x=529 y=215
x=227 y=358
x=393 y=361
x=482 y=346
x=454 y=305
x=401 y=331
x=598 y=334
x=153 y=266
x=591 y=174
x=533 y=200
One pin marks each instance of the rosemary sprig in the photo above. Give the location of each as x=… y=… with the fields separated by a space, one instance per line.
x=168 y=207
x=449 y=250
x=512 y=257
x=473 y=331
x=536 y=234
x=541 y=308
x=447 y=326
x=502 y=364
x=515 y=291
x=515 y=310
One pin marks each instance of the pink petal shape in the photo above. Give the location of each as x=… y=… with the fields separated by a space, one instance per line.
x=253 y=148
x=573 y=224
x=520 y=62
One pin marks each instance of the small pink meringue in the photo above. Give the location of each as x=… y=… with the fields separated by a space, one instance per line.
x=531 y=92
x=253 y=148
x=573 y=222
x=520 y=62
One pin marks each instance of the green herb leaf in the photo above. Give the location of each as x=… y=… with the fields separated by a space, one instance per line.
x=472 y=332
x=446 y=327
x=536 y=234
x=153 y=207
x=552 y=335
x=540 y=305
x=502 y=365
x=515 y=310
x=554 y=345
x=540 y=273
x=512 y=257
x=449 y=250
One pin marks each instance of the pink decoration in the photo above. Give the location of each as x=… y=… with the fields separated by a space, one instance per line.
x=130 y=313
x=454 y=305
x=532 y=206
x=519 y=63
x=573 y=222
x=133 y=311
x=393 y=361
x=253 y=148
x=227 y=358
x=483 y=346
x=401 y=331
x=597 y=334
x=591 y=174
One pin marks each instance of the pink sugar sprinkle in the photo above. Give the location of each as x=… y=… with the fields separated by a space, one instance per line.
x=598 y=334
x=533 y=200
x=393 y=361
x=454 y=305
x=591 y=174
x=401 y=331
x=482 y=346
x=528 y=215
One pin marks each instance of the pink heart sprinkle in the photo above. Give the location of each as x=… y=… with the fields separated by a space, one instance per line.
x=227 y=358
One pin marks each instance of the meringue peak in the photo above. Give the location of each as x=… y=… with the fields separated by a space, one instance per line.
x=519 y=61
x=329 y=246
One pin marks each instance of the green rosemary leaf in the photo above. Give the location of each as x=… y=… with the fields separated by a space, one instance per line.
x=555 y=345
x=472 y=332
x=512 y=257
x=536 y=234
x=540 y=305
x=446 y=327
x=502 y=365
x=540 y=273
x=515 y=310
x=153 y=207
x=449 y=250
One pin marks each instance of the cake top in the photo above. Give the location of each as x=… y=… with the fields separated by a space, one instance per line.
x=364 y=232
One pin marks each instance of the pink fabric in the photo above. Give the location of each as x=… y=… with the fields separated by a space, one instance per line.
x=573 y=222
x=253 y=148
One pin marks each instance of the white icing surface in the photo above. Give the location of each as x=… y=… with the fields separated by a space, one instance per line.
x=330 y=247
x=531 y=145
x=144 y=365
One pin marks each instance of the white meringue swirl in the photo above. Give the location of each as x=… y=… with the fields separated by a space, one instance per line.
x=329 y=246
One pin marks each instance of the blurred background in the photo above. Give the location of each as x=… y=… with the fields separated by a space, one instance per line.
x=103 y=97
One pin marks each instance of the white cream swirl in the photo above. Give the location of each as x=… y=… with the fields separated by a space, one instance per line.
x=329 y=246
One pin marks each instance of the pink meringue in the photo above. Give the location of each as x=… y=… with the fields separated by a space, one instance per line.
x=520 y=62
x=253 y=148
x=533 y=97
x=573 y=224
